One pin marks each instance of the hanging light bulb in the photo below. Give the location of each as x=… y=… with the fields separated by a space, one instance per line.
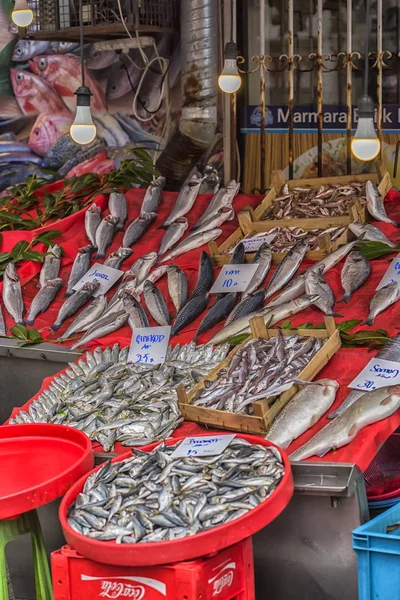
x=229 y=81
x=365 y=144
x=22 y=15
x=83 y=130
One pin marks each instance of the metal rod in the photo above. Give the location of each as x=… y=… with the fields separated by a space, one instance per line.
x=233 y=154
x=379 y=80
x=262 y=96
x=319 y=86
x=81 y=41
x=396 y=160
x=290 y=84
x=349 y=91
x=226 y=101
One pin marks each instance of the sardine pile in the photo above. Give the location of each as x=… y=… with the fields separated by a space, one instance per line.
x=260 y=369
x=325 y=201
x=153 y=497
x=286 y=238
x=112 y=400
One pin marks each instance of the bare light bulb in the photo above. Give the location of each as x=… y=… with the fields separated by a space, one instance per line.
x=365 y=145
x=229 y=81
x=22 y=15
x=83 y=130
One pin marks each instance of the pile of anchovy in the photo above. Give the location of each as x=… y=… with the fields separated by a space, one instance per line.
x=112 y=400
x=325 y=201
x=260 y=369
x=285 y=238
x=153 y=497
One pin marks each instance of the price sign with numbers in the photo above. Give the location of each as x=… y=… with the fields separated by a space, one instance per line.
x=234 y=278
x=105 y=275
x=149 y=345
x=253 y=244
x=392 y=275
x=204 y=445
x=378 y=373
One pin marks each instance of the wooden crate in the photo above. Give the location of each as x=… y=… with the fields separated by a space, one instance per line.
x=264 y=412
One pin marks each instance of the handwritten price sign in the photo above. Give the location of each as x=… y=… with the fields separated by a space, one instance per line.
x=253 y=244
x=149 y=345
x=106 y=275
x=234 y=278
x=392 y=275
x=205 y=445
x=377 y=374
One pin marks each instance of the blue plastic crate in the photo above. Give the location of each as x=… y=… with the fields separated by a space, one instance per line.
x=378 y=555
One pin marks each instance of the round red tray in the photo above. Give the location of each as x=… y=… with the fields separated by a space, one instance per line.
x=201 y=544
x=39 y=463
x=383 y=474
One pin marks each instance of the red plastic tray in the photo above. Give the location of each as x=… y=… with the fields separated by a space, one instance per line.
x=201 y=544
x=383 y=474
x=39 y=463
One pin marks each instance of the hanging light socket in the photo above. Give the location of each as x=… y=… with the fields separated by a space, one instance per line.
x=229 y=81
x=22 y=15
x=365 y=144
x=83 y=130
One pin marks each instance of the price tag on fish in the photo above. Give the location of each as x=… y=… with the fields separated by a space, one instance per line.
x=377 y=374
x=253 y=244
x=107 y=276
x=149 y=345
x=234 y=278
x=392 y=275
x=204 y=445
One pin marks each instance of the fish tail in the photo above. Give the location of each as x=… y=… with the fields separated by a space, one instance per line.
x=164 y=226
x=30 y=321
x=55 y=326
x=68 y=293
x=368 y=321
x=335 y=314
x=101 y=255
x=332 y=415
x=345 y=298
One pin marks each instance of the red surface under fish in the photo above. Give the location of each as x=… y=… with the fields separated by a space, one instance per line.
x=35 y=95
x=98 y=164
x=46 y=130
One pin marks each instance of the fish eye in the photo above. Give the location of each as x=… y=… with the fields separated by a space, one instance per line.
x=20 y=77
x=42 y=63
x=114 y=87
x=36 y=131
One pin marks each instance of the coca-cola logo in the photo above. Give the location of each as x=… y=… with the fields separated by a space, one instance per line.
x=126 y=586
x=223 y=578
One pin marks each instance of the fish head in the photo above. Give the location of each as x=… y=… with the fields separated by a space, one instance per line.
x=150 y=256
x=22 y=51
x=40 y=66
x=160 y=181
x=100 y=59
x=86 y=249
x=124 y=252
x=55 y=250
x=110 y=219
x=233 y=187
x=55 y=283
x=23 y=82
x=11 y=272
x=128 y=276
x=94 y=208
x=91 y=286
x=227 y=209
x=122 y=73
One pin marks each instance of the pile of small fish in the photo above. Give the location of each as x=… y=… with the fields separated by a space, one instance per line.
x=286 y=237
x=260 y=369
x=112 y=400
x=154 y=496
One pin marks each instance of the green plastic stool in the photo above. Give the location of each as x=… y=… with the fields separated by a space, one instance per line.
x=10 y=529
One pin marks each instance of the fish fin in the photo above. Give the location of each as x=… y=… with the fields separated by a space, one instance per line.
x=55 y=327
x=100 y=256
x=322 y=452
x=335 y=314
x=194 y=228
x=386 y=400
x=369 y=321
x=332 y=415
x=352 y=430
x=345 y=298
x=163 y=226
x=68 y=294
x=314 y=419
x=30 y=321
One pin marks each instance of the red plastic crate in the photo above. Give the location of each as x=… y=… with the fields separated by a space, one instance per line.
x=226 y=575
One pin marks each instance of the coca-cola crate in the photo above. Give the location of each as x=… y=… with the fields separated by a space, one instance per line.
x=226 y=575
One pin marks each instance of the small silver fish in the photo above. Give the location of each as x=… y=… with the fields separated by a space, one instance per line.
x=152 y=196
x=370 y=233
x=137 y=228
x=104 y=235
x=92 y=221
x=316 y=285
x=80 y=267
x=177 y=286
x=288 y=267
x=43 y=299
x=156 y=304
x=185 y=200
x=12 y=294
x=355 y=272
x=74 y=303
x=375 y=205
x=51 y=265
x=173 y=234
x=381 y=300
x=86 y=317
x=118 y=208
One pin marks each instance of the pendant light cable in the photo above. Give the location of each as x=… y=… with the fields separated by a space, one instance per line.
x=81 y=40
x=366 y=57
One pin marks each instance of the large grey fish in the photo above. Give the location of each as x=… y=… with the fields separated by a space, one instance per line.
x=217 y=313
x=74 y=303
x=142 y=267
x=137 y=315
x=86 y=317
x=92 y=221
x=248 y=305
x=375 y=205
x=100 y=59
x=152 y=196
x=43 y=299
x=302 y=412
x=381 y=300
x=51 y=265
x=12 y=294
x=195 y=241
x=3 y=328
x=137 y=228
x=124 y=75
x=26 y=49
x=288 y=267
x=224 y=197
x=104 y=235
x=156 y=304
x=355 y=272
x=369 y=233
x=104 y=326
x=115 y=259
x=173 y=234
x=177 y=286
x=370 y=408
x=128 y=283
x=185 y=200
x=118 y=207
x=316 y=285
x=238 y=255
x=226 y=213
x=262 y=258
x=205 y=276
x=192 y=309
x=80 y=267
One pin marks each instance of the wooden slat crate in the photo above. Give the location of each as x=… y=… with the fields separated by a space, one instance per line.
x=264 y=411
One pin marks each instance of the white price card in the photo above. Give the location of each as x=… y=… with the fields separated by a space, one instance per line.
x=105 y=275
x=204 y=445
x=149 y=345
x=253 y=244
x=234 y=278
x=376 y=374
x=392 y=275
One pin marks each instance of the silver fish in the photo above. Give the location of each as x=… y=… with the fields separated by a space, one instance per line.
x=375 y=205
x=224 y=197
x=129 y=283
x=381 y=300
x=118 y=208
x=3 y=328
x=80 y=267
x=219 y=311
x=43 y=299
x=100 y=59
x=154 y=276
x=192 y=243
x=302 y=412
x=51 y=265
x=226 y=213
x=141 y=268
x=12 y=294
x=185 y=200
x=137 y=228
x=177 y=286
x=104 y=235
x=263 y=258
x=152 y=196
x=115 y=259
x=316 y=285
x=137 y=315
x=192 y=309
x=74 y=303
x=370 y=233
x=86 y=317
x=27 y=49
x=173 y=234
x=370 y=408
x=104 y=326
x=355 y=272
x=288 y=267
x=156 y=304
x=92 y=221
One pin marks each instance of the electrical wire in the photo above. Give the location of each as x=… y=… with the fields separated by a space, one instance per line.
x=81 y=41
x=366 y=56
